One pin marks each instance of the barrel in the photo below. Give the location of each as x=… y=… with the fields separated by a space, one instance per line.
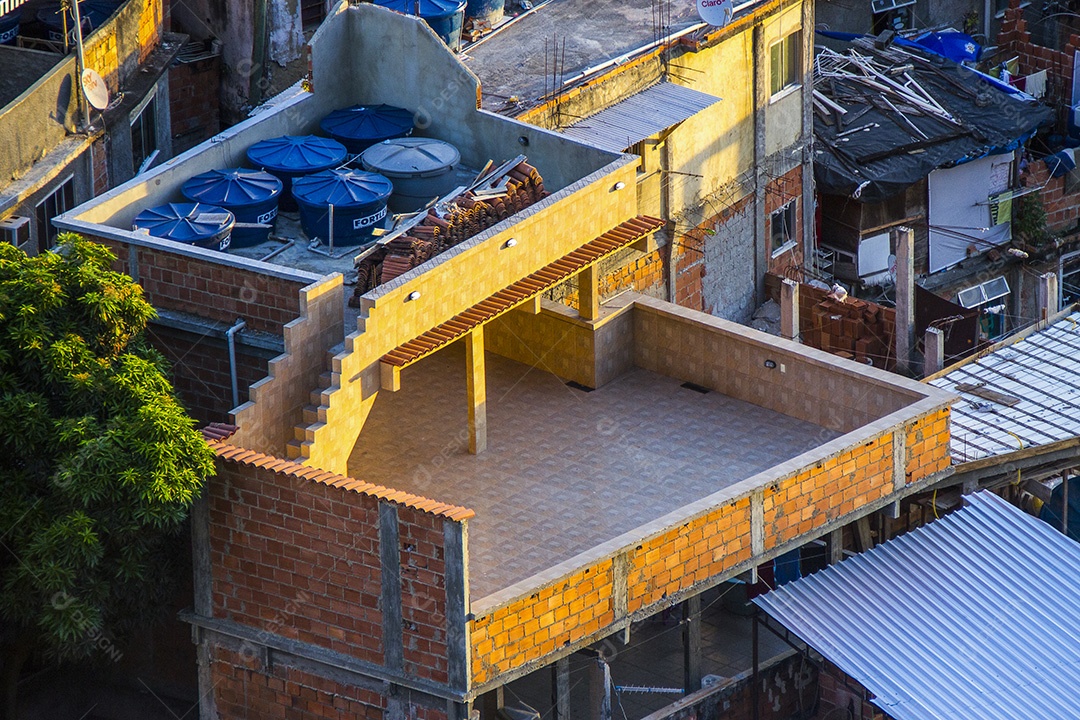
x=291 y=156
x=198 y=224
x=358 y=199
x=250 y=195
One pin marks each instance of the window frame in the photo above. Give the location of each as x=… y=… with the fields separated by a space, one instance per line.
x=149 y=103
x=63 y=199
x=790 y=50
x=788 y=215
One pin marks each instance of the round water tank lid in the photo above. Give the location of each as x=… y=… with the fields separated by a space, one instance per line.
x=411 y=157
x=428 y=9
x=184 y=222
x=233 y=187
x=368 y=122
x=342 y=188
x=297 y=153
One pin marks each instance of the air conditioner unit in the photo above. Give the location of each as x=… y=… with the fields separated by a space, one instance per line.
x=15 y=230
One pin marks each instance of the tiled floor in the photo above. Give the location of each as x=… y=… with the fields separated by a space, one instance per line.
x=565 y=470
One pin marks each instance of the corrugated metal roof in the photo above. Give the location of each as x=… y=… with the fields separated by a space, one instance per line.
x=1040 y=371
x=974 y=616
x=641 y=116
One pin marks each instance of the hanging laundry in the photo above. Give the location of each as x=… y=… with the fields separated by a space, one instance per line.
x=1035 y=84
x=1001 y=207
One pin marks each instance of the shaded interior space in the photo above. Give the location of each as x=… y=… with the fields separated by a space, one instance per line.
x=565 y=469
x=654 y=659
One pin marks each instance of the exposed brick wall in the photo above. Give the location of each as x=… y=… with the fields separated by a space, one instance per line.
x=297 y=559
x=100 y=150
x=200 y=371
x=633 y=270
x=295 y=553
x=211 y=290
x=779 y=192
x=928 y=445
x=245 y=689
x=117 y=48
x=1062 y=208
x=423 y=588
x=840 y=693
x=194 y=104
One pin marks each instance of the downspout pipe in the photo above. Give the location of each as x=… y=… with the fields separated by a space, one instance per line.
x=230 y=338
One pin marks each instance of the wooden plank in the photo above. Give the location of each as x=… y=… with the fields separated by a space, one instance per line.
x=979 y=390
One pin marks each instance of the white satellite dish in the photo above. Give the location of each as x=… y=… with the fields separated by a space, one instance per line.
x=97 y=93
x=716 y=12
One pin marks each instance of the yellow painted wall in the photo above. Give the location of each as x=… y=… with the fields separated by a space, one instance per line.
x=453 y=282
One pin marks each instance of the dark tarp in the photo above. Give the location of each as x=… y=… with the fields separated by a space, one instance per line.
x=878 y=162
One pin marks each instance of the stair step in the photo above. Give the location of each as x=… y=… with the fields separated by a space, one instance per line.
x=293 y=450
x=311 y=414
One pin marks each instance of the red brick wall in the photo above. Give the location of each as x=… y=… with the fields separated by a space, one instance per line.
x=837 y=690
x=194 y=105
x=298 y=559
x=100 y=152
x=423 y=591
x=779 y=192
x=246 y=690
x=200 y=371
x=1062 y=208
x=644 y=274
x=211 y=290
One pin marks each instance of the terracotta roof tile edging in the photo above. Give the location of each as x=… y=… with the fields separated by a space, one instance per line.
x=239 y=455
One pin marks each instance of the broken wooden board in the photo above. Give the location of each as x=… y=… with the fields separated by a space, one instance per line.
x=980 y=390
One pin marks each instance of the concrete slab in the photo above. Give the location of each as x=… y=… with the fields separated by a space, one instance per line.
x=565 y=470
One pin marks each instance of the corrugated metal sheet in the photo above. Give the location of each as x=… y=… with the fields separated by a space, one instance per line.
x=974 y=616
x=1042 y=371
x=641 y=116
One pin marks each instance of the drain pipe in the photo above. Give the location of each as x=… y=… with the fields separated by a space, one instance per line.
x=230 y=337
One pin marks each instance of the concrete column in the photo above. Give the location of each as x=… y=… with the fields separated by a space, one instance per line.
x=476 y=380
x=456 y=560
x=599 y=690
x=203 y=605
x=588 y=294
x=1049 y=299
x=761 y=102
x=560 y=690
x=933 y=351
x=390 y=563
x=807 y=138
x=836 y=545
x=789 y=309
x=691 y=637
x=904 y=241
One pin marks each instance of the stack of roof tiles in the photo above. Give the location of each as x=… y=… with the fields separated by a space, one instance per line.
x=469 y=215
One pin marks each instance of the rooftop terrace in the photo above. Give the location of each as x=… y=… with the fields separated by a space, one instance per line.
x=565 y=470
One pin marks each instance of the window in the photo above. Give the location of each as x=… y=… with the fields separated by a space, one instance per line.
x=784 y=63
x=61 y=200
x=1070 y=279
x=782 y=228
x=312 y=12
x=143 y=134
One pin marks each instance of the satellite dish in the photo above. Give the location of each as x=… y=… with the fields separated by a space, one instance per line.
x=716 y=12
x=97 y=93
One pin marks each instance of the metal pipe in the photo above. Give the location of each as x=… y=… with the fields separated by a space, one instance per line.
x=331 y=233
x=1065 y=506
x=83 y=105
x=230 y=338
x=754 y=669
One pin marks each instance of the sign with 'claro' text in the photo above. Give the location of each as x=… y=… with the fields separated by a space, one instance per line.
x=716 y=12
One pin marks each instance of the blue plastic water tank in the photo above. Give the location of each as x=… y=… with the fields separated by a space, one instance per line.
x=206 y=226
x=250 y=195
x=361 y=126
x=292 y=156
x=9 y=27
x=359 y=200
x=444 y=16
x=490 y=11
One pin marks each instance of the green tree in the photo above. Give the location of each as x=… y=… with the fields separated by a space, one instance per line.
x=99 y=461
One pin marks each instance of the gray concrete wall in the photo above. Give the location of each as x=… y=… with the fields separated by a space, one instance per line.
x=728 y=284
x=37 y=120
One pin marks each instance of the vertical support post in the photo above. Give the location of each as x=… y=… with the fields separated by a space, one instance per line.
x=456 y=560
x=600 y=689
x=588 y=294
x=789 y=309
x=560 y=672
x=477 y=388
x=836 y=545
x=761 y=102
x=390 y=565
x=755 y=700
x=904 y=241
x=691 y=637
x=1065 y=506
x=1049 y=300
x=933 y=351
x=203 y=600
x=809 y=242
x=491 y=702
